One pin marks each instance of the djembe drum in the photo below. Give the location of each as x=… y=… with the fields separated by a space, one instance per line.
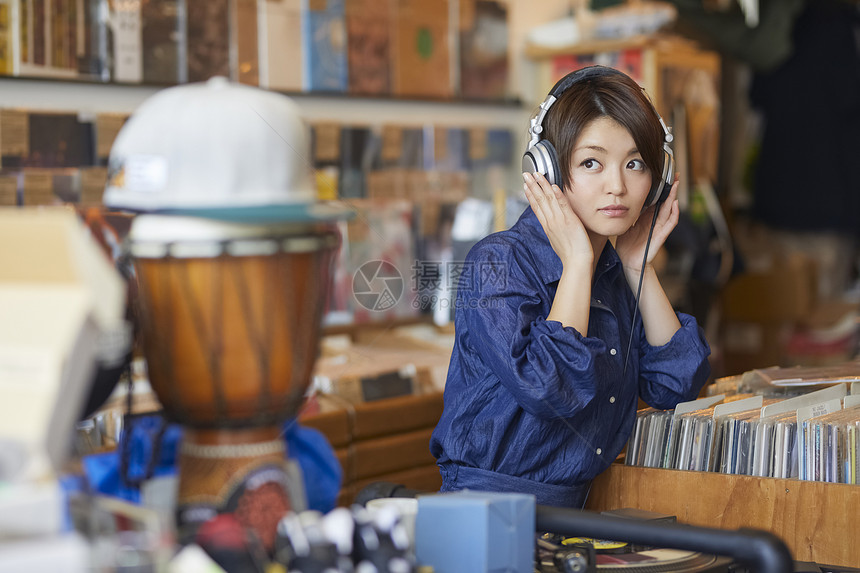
x=230 y=325
x=232 y=255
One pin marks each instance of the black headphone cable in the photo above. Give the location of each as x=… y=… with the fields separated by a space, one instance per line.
x=639 y=289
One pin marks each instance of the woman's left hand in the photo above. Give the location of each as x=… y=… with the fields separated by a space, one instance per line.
x=631 y=245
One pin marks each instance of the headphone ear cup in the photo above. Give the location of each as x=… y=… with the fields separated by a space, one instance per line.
x=542 y=158
x=660 y=192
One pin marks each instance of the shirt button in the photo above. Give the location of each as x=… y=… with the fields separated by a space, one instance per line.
x=599 y=451
x=612 y=399
x=613 y=352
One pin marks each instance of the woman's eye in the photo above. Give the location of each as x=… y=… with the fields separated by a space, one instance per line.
x=590 y=164
x=636 y=164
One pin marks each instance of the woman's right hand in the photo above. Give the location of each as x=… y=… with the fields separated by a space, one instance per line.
x=562 y=226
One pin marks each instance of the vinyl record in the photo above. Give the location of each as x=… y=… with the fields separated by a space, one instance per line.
x=610 y=556
x=600 y=545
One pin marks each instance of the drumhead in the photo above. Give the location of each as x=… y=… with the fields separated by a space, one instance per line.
x=159 y=236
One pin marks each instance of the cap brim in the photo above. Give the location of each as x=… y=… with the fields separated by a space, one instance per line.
x=328 y=211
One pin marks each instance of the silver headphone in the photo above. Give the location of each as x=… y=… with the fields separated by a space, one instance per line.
x=542 y=157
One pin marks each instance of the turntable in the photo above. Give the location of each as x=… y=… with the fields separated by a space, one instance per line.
x=560 y=554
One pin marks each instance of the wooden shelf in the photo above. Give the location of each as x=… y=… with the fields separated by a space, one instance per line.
x=663 y=42
x=589 y=47
x=816 y=520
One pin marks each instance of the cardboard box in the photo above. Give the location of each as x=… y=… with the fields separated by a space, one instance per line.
x=476 y=532
x=345 y=457
x=58 y=295
x=396 y=415
x=389 y=454
x=386 y=440
x=344 y=423
x=330 y=416
x=760 y=311
x=787 y=292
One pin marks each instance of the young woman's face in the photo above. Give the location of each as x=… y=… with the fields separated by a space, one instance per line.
x=609 y=180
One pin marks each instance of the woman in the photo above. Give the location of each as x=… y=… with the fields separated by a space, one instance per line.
x=542 y=391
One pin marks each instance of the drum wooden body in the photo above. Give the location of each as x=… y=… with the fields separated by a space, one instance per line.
x=230 y=333
x=230 y=341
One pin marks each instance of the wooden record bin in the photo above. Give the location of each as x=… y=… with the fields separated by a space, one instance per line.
x=817 y=521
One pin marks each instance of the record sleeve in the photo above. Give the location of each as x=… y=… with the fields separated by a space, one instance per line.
x=762 y=452
x=728 y=449
x=9 y=47
x=280 y=45
x=208 y=39
x=360 y=147
x=672 y=442
x=635 y=440
x=854 y=453
x=368 y=32
x=9 y=190
x=789 y=461
x=656 y=439
x=324 y=65
x=704 y=441
x=26 y=29
x=127 y=42
x=163 y=31
x=245 y=64
x=685 y=443
x=716 y=446
x=39 y=31
x=59 y=140
x=421 y=49
x=483 y=52
x=743 y=452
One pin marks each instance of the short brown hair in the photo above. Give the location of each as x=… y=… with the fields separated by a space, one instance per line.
x=615 y=96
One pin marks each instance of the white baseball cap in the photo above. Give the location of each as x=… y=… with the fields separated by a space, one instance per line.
x=217 y=150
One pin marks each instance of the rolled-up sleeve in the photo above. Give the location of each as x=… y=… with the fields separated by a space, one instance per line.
x=676 y=371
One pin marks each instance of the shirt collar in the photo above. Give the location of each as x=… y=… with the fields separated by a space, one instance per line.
x=549 y=264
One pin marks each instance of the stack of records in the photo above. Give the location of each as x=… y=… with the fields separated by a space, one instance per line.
x=812 y=436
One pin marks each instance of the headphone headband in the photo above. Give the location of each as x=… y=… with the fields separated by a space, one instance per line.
x=581 y=75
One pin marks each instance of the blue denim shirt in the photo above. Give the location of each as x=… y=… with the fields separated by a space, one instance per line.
x=533 y=406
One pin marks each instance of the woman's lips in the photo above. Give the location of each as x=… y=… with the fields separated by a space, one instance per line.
x=614 y=210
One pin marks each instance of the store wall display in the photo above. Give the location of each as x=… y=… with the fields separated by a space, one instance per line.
x=439 y=49
x=404 y=180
